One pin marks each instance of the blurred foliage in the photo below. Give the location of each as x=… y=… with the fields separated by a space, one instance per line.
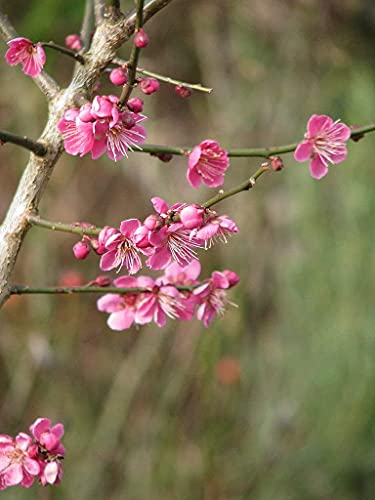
x=276 y=400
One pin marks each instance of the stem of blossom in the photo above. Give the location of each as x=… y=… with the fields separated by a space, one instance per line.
x=23 y=290
x=133 y=60
x=64 y=50
x=244 y=152
x=36 y=147
x=166 y=79
x=244 y=186
x=35 y=220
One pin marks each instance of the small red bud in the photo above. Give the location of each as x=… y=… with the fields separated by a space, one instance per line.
x=118 y=76
x=81 y=250
x=165 y=157
x=141 y=39
x=149 y=85
x=135 y=104
x=73 y=42
x=277 y=163
x=102 y=281
x=182 y=91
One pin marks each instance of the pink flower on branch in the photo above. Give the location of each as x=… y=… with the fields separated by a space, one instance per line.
x=216 y=228
x=16 y=465
x=121 y=308
x=207 y=163
x=30 y=55
x=324 y=143
x=23 y=459
x=121 y=249
x=100 y=127
x=213 y=297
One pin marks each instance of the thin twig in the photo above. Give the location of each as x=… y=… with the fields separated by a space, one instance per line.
x=166 y=79
x=35 y=220
x=133 y=60
x=64 y=50
x=65 y=290
x=87 y=27
x=244 y=152
x=36 y=147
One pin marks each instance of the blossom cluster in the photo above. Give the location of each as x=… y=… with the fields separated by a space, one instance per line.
x=26 y=458
x=173 y=233
x=100 y=127
x=176 y=294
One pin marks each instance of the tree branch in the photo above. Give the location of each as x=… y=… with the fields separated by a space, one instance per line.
x=133 y=60
x=44 y=81
x=245 y=152
x=166 y=79
x=107 y=39
x=65 y=228
x=36 y=147
x=63 y=50
x=87 y=27
x=23 y=290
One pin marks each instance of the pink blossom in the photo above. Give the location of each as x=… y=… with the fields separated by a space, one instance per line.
x=122 y=249
x=48 y=436
x=212 y=295
x=73 y=42
x=207 y=163
x=217 y=227
x=16 y=466
x=324 y=143
x=118 y=76
x=101 y=127
x=187 y=275
x=141 y=39
x=121 y=308
x=149 y=85
x=103 y=237
x=172 y=242
x=30 y=55
x=163 y=301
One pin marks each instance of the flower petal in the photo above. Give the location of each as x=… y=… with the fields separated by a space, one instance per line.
x=318 y=169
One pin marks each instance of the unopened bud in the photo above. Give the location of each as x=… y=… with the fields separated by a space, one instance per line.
x=135 y=104
x=165 y=157
x=73 y=42
x=192 y=216
x=149 y=85
x=81 y=250
x=182 y=91
x=141 y=39
x=102 y=281
x=152 y=222
x=118 y=76
x=277 y=163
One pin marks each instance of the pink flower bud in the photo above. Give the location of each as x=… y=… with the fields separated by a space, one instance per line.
x=118 y=76
x=152 y=222
x=276 y=163
x=192 y=216
x=149 y=85
x=135 y=104
x=73 y=42
x=232 y=277
x=81 y=250
x=102 y=281
x=141 y=39
x=183 y=91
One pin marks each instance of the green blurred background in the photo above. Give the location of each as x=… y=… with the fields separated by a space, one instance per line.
x=275 y=401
